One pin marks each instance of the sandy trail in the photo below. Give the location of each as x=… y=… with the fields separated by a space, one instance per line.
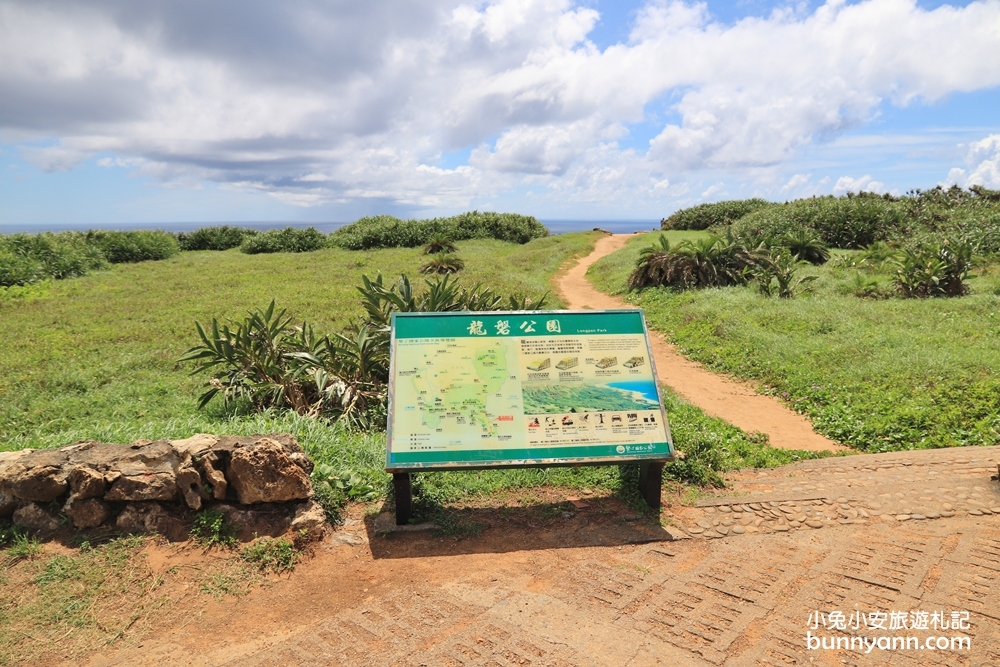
x=735 y=401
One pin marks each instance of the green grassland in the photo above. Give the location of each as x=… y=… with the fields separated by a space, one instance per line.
x=89 y=353
x=878 y=375
x=96 y=357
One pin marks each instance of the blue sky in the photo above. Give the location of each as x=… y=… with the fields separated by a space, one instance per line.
x=115 y=113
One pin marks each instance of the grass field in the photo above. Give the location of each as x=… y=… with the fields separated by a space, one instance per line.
x=84 y=355
x=878 y=375
x=96 y=357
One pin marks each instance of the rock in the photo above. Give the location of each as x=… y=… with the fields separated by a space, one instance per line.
x=696 y=531
x=310 y=517
x=264 y=472
x=87 y=512
x=739 y=530
x=259 y=521
x=348 y=539
x=33 y=517
x=194 y=446
x=41 y=484
x=190 y=486
x=8 y=503
x=214 y=476
x=86 y=482
x=147 y=486
x=151 y=517
x=813 y=523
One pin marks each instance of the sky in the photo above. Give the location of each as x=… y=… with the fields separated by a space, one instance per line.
x=118 y=112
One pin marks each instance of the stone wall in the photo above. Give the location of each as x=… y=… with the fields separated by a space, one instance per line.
x=259 y=483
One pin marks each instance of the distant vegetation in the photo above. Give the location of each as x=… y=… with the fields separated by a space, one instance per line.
x=30 y=258
x=926 y=242
x=385 y=231
x=288 y=239
x=214 y=238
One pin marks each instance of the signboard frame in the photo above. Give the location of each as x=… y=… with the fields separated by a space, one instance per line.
x=651 y=463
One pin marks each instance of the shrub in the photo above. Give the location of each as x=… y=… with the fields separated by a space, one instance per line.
x=774 y=274
x=934 y=270
x=134 y=246
x=270 y=363
x=288 y=239
x=214 y=238
x=718 y=214
x=806 y=245
x=28 y=258
x=443 y=263
x=709 y=262
x=386 y=231
x=847 y=222
x=439 y=243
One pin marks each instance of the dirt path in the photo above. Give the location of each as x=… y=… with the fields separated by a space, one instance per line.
x=736 y=402
x=904 y=533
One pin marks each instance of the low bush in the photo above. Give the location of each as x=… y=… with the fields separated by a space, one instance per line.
x=288 y=239
x=774 y=274
x=443 y=263
x=708 y=262
x=439 y=243
x=28 y=258
x=847 y=222
x=717 y=214
x=386 y=231
x=268 y=362
x=214 y=238
x=934 y=270
x=134 y=246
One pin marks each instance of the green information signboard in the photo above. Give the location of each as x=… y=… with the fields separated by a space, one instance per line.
x=523 y=388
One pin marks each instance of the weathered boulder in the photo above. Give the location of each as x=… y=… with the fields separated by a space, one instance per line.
x=86 y=482
x=196 y=445
x=34 y=483
x=258 y=521
x=152 y=518
x=190 y=486
x=8 y=503
x=147 y=486
x=263 y=472
x=214 y=476
x=310 y=517
x=34 y=517
x=87 y=512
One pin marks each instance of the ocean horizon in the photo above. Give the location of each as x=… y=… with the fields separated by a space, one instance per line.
x=554 y=226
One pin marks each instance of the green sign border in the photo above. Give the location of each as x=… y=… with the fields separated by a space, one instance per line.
x=572 y=323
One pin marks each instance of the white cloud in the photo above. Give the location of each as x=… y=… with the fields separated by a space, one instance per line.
x=983 y=160
x=864 y=183
x=317 y=105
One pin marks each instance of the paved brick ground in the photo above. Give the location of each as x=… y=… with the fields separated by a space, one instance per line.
x=918 y=531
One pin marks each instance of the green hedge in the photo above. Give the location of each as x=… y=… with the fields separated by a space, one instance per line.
x=846 y=222
x=718 y=214
x=214 y=238
x=288 y=239
x=28 y=258
x=386 y=231
x=134 y=246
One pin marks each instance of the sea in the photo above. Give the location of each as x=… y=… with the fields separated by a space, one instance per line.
x=554 y=226
x=644 y=387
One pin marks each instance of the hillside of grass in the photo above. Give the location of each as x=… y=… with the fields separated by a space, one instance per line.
x=103 y=348
x=876 y=374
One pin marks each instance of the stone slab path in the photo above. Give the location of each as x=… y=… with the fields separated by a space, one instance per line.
x=735 y=401
x=908 y=532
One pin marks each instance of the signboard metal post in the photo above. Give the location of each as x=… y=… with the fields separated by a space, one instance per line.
x=474 y=390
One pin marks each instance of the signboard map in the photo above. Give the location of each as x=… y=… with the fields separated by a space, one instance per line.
x=523 y=388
